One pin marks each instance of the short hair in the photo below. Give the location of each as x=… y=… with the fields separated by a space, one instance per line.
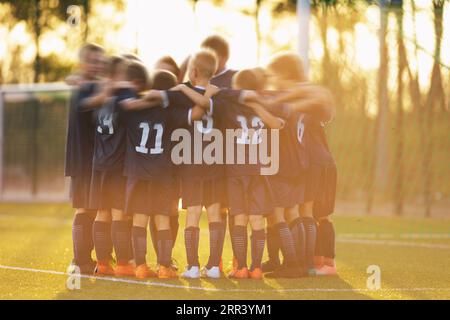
x=163 y=80
x=218 y=44
x=131 y=57
x=113 y=64
x=169 y=61
x=249 y=79
x=288 y=66
x=136 y=71
x=206 y=63
x=89 y=48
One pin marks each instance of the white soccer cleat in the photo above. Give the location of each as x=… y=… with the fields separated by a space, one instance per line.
x=191 y=273
x=213 y=273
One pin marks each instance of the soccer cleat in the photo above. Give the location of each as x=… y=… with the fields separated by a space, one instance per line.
x=213 y=272
x=239 y=274
x=104 y=269
x=124 y=270
x=191 y=273
x=326 y=270
x=256 y=274
x=286 y=272
x=318 y=262
x=270 y=266
x=166 y=273
x=143 y=272
x=85 y=269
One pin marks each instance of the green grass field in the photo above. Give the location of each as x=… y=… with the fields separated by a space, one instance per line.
x=413 y=255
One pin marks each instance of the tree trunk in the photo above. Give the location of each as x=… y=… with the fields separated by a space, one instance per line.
x=37 y=31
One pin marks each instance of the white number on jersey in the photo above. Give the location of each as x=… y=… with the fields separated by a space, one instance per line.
x=106 y=121
x=157 y=149
x=300 y=130
x=209 y=124
x=256 y=124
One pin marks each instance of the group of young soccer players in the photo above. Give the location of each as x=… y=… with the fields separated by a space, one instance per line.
x=133 y=151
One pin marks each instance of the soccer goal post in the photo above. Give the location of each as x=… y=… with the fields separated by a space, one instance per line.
x=33 y=124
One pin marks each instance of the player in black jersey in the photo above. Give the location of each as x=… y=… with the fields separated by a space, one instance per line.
x=249 y=194
x=201 y=184
x=287 y=185
x=79 y=151
x=149 y=169
x=318 y=202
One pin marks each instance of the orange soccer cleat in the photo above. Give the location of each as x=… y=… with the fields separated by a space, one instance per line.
x=318 y=262
x=124 y=270
x=239 y=274
x=256 y=274
x=143 y=272
x=104 y=268
x=327 y=270
x=167 y=273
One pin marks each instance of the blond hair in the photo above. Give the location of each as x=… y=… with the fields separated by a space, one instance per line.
x=205 y=61
x=287 y=66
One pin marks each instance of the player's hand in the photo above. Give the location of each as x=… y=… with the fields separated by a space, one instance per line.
x=211 y=90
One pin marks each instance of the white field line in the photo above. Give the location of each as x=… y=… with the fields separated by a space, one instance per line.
x=394 y=243
x=168 y=285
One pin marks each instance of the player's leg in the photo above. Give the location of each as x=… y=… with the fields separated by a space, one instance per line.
x=290 y=267
x=240 y=243
x=295 y=223
x=306 y=214
x=273 y=246
x=165 y=246
x=326 y=237
x=139 y=238
x=216 y=240
x=258 y=240
x=83 y=243
x=103 y=242
x=121 y=237
x=191 y=241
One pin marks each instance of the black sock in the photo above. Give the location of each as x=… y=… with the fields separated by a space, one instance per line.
x=101 y=232
x=139 y=235
x=240 y=243
x=216 y=240
x=121 y=237
x=273 y=244
x=82 y=238
x=287 y=244
x=130 y=244
x=191 y=240
x=327 y=236
x=165 y=245
x=174 y=226
x=231 y=230
x=319 y=242
x=153 y=234
x=298 y=234
x=310 y=240
x=258 y=242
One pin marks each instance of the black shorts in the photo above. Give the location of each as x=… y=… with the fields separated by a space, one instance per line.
x=287 y=193
x=80 y=189
x=107 y=190
x=197 y=191
x=321 y=188
x=151 y=197
x=249 y=195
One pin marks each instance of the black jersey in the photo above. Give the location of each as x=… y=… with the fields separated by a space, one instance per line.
x=80 y=133
x=148 y=152
x=235 y=120
x=197 y=129
x=110 y=133
x=223 y=79
x=316 y=141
